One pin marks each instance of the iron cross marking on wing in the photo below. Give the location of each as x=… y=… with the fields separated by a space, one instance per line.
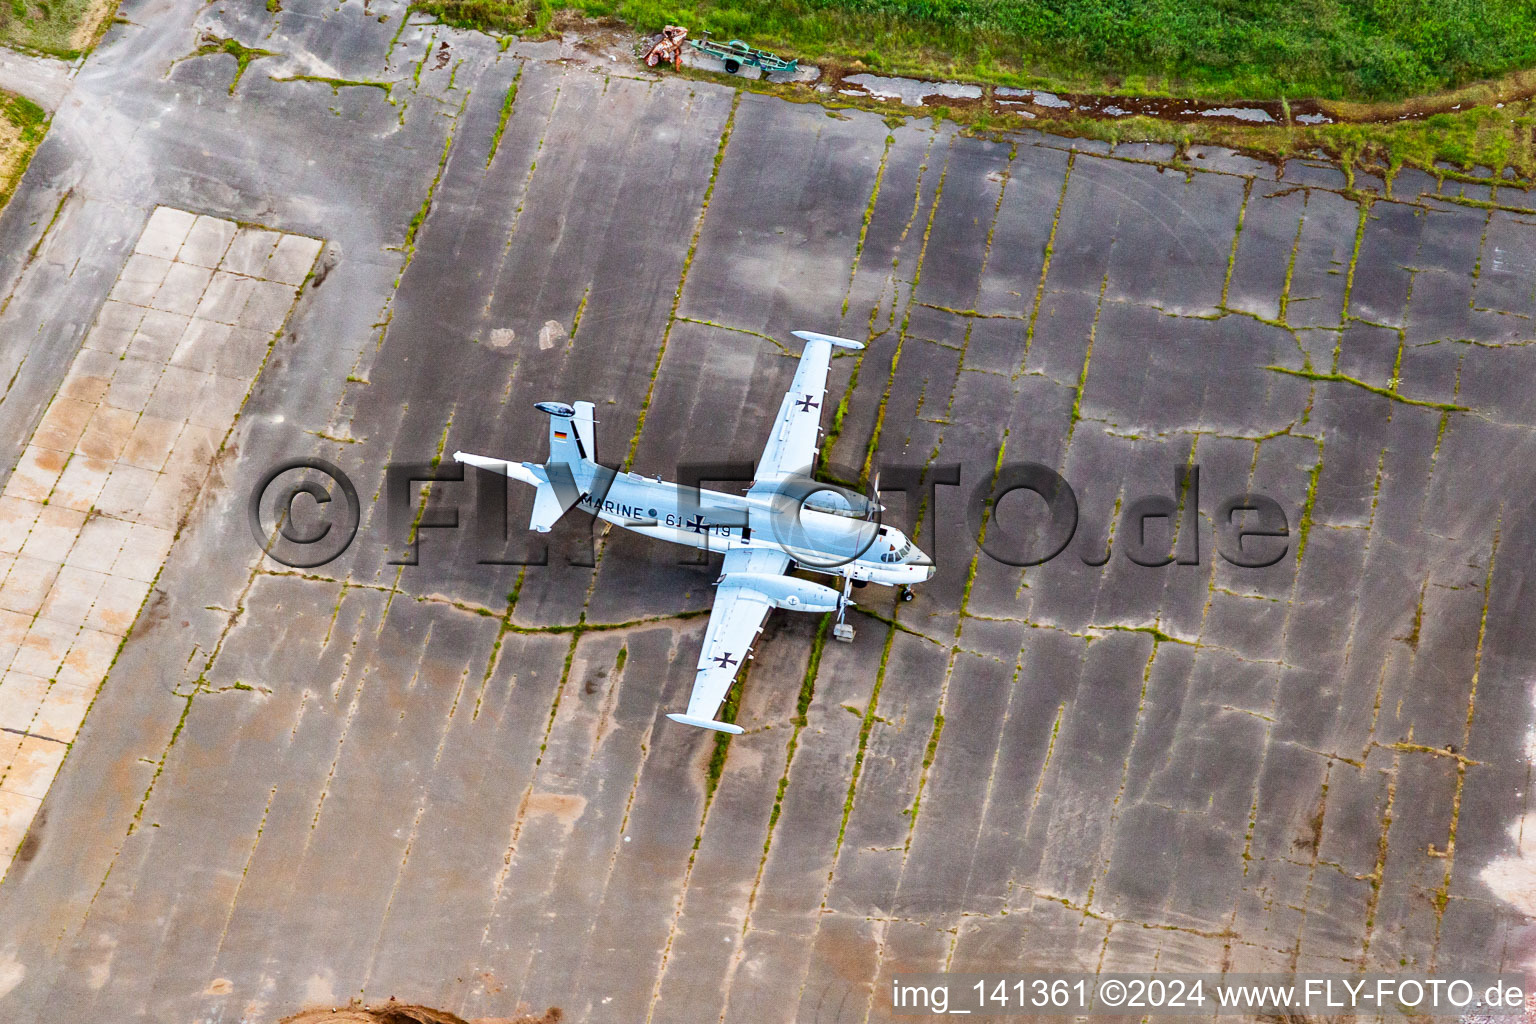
x=724 y=660
x=807 y=405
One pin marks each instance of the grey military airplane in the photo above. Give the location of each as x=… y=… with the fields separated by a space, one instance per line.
x=784 y=521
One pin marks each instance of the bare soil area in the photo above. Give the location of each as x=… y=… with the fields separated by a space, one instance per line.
x=409 y=1013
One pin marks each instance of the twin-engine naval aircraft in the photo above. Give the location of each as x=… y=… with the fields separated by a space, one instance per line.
x=784 y=521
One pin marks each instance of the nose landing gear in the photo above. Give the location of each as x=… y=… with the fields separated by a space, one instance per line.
x=906 y=594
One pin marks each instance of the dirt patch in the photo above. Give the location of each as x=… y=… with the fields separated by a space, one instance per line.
x=63 y=28
x=563 y=807
x=10 y=143
x=570 y=20
x=1515 y=86
x=409 y=1013
x=93 y=22
x=13 y=154
x=22 y=126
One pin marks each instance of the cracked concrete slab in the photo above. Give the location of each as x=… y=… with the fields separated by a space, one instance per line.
x=85 y=552
x=451 y=781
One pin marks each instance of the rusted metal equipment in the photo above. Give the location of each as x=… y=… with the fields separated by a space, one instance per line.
x=736 y=55
x=667 y=48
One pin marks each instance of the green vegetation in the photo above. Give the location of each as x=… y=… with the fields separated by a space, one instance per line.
x=22 y=126
x=337 y=84
x=501 y=126
x=63 y=28
x=1357 y=49
x=502 y=17
x=1355 y=57
x=1372 y=388
x=426 y=207
x=722 y=743
x=243 y=55
x=1486 y=136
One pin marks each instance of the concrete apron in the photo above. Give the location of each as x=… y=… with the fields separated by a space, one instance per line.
x=93 y=508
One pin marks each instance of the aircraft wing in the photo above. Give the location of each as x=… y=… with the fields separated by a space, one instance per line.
x=734 y=623
x=791 y=448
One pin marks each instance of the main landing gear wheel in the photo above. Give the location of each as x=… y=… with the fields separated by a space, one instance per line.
x=842 y=630
x=906 y=594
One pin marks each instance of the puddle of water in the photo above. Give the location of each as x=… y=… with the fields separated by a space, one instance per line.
x=912 y=92
x=959 y=91
x=1253 y=115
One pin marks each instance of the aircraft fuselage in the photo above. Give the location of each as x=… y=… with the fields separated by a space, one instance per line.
x=835 y=544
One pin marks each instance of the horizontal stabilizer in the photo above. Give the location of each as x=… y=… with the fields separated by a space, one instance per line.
x=547 y=504
x=547 y=510
x=829 y=339
x=707 y=723
x=515 y=470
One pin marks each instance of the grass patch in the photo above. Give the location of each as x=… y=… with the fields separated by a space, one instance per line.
x=62 y=28
x=728 y=711
x=499 y=17
x=1330 y=49
x=1364 y=61
x=22 y=127
x=1482 y=136
x=501 y=123
x=337 y=84
x=243 y=55
x=1374 y=389
x=1496 y=127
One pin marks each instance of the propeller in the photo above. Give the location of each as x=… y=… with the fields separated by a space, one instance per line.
x=874 y=496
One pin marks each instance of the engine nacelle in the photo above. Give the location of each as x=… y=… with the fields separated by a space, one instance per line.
x=786 y=592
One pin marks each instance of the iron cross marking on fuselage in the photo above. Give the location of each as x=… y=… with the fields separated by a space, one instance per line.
x=807 y=405
x=724 y=660
x=697 y=524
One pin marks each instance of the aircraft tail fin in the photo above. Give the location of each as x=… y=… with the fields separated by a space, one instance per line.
x=572 y=438
x=572 y=452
